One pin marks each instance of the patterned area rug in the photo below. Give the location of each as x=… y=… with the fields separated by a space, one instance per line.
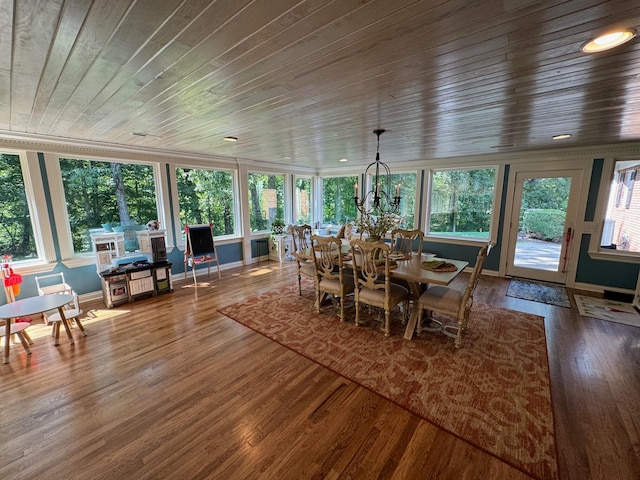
x=539 y=292
x=493 y=392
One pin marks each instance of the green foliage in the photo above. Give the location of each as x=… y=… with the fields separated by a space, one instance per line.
x=91 y=191
x=461 y=201
x=377 y=225
x=338 y=207
x=407 y=182
x=206 y=196
x=16 y=232
x=544 y=224
x=266 y=200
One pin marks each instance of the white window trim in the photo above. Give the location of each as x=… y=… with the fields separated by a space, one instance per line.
x=495 y=219
x=237 y=209
x=312 y=186
x=37 y=205
x=287 y=198
x=596 y=227
x=320 y=188
x=58 y=200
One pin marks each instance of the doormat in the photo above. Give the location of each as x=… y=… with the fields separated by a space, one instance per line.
x=609 y=310
x=539 y=292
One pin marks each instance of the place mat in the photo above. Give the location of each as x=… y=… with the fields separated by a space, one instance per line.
x=400 y=256
x=439 y=266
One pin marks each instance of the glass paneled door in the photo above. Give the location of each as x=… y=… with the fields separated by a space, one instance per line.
x=542 y=223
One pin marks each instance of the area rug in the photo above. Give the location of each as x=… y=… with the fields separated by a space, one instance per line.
x=493 y=392
x=609 y=310
x=539 y=292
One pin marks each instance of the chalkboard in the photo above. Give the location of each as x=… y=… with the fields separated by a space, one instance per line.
x=201 y=240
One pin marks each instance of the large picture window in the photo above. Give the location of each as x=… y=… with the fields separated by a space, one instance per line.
x=207 y=196
x=16 y=229
x=266 y=200
x=103 y=195
x=460 y=203
x=338 y=207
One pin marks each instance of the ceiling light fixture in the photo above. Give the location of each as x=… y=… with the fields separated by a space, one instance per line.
x=562 y=136
x=379 y=200
x=343 y=160
x=608 y=40
x=231 y=139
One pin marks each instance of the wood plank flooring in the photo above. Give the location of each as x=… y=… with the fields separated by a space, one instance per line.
x=166 y=387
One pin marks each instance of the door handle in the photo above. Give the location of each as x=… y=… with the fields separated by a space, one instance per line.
x=567 y=239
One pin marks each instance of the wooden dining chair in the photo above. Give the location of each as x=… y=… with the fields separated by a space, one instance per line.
x=450 y=302
x=407 y=241
x=330 y=276
x=301 y=243
x=372 y=267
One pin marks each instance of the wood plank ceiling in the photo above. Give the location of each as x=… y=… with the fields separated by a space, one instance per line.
x=305 y=82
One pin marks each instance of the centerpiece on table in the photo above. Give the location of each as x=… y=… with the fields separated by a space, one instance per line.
x=376 y=226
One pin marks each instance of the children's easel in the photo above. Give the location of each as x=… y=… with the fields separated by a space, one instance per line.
x=200 y=249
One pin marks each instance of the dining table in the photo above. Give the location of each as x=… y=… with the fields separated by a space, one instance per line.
x=409 y=267
x=32 y=306
x=411 y=270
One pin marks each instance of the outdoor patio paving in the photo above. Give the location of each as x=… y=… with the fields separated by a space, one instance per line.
x=537 y=254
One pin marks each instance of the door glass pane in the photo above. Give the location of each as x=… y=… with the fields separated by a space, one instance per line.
x=543 y=211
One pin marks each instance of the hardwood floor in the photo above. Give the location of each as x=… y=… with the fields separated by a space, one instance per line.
x=167 y=387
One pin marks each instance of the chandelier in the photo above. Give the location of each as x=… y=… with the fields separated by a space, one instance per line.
x=379 y=200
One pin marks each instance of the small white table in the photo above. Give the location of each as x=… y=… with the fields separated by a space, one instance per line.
x=31 y=306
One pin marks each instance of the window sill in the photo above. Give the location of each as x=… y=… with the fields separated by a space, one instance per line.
x=32 y=267
x=458 y=240
x=614 y=256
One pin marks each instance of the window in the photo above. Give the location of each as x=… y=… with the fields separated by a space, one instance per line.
x=16 y=234
x=207 y=196
x=302 y=201
x=407 y=182
x=460 y=203
x=103 y=195
x=266 y=200
x=338 y=207
x=621 y=227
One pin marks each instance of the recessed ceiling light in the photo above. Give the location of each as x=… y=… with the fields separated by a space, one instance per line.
x=343 y=160
x=609 y=40
x=231 y=139
x=561 y=136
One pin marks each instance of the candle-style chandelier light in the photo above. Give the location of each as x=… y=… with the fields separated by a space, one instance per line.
x=380 y=199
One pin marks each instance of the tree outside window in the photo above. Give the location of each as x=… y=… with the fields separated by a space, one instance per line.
x=407 y=182
x=303 y=201
x=16 y=229
x=460 y=203
x=338 y=207
x=101 y=195
x=266 y=200
x=206 y=196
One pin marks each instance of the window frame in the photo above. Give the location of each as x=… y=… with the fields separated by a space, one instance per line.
x=294 y=200
x=596 y=226
x=39 y=214
x=320 y=218
x=58 y=200
x=495 y=205
x=287 y=202
x=237 y=220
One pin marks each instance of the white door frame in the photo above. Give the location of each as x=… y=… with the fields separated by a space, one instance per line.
x=579 y=192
